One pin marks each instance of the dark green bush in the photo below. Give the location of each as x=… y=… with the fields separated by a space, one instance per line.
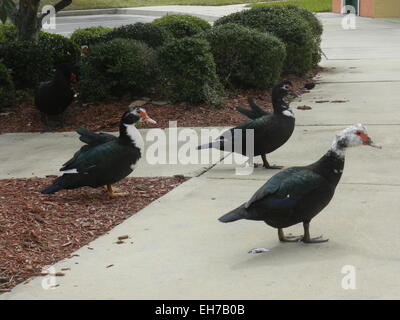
x=116 y=68
x=7 y=32
x=189 y=71
x=61 y=49
x=7 y=90
x=316 y=28
x=28 y=63
x=182 y=25
x=246 y=57
x=151 y=34
x=288 y=26
x=89 y=36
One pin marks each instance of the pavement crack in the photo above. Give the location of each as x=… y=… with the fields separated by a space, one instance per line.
x=212 y=166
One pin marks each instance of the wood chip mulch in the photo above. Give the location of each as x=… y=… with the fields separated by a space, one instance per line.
x=38 y=230
x=106 y=116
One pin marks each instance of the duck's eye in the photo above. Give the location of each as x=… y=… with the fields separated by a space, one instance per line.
x=359 y=133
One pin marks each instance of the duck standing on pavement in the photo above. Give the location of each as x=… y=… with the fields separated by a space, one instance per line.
x=298 y=194
x=271 y=131
x=105 y=159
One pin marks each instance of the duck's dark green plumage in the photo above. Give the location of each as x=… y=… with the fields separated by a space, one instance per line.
x=105 y=159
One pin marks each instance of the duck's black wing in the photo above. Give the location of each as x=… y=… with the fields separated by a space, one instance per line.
x=255 y=112
x=90 y=164
x=284 y=191
x=287 y=187
x=94 y=139
x=100 y=156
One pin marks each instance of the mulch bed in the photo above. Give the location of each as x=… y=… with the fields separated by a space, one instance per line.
x=106 y=116
x=38 y=230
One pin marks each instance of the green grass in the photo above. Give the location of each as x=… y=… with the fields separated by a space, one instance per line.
x=98 y=4
x=312 y=5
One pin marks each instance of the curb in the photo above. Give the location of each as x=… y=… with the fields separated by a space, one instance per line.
x=129 y=11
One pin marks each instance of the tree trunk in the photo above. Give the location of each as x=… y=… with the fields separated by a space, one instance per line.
x=27 y=20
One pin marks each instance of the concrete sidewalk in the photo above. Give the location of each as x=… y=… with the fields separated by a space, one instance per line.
x=181 y=251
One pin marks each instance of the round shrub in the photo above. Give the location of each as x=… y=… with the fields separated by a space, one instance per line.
x=89 y=36
x=7 y=32
x=316 y=29
x=7 y=90
x=28 y=63
x=151 y=34
x=246 y=57
x=118 y=67
x=190 y=73
x=182 y=25
x=288 y=26
x=61 y=49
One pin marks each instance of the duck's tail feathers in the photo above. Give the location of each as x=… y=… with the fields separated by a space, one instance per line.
x=234 y=215
x=53 y=188
x=66 y=181
x=219 y=144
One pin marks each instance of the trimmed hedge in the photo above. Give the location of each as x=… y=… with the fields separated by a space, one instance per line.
x=7 y=90
x=89 y=36
x=61 y=49
x=151 y=34
x=190 y=72
x=32 y=63
x=182 y=25
x=116 y=68
x=288 y=26
x=246 y=57
x=316 y=28
x=28 y=63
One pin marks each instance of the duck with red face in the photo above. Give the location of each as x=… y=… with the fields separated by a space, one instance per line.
x=298 y=194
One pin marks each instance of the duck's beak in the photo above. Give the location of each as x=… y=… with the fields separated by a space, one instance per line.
x=370 y=143
x=146 y=118
x=293 y=93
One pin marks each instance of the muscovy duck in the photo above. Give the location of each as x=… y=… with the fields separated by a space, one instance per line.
x=298 y=194
x=53 y=97
x=271 y=131
x=105 y=159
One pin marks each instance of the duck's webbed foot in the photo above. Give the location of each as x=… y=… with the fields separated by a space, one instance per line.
x=113 y=194
x=266 y=165
x=307 y=238
x=288 y=238
x=315 y=240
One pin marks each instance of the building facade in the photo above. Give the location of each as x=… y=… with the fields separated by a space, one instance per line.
x=370 y=8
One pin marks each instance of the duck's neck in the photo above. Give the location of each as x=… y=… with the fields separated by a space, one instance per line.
x=331 y=165
x=280 y=106
x=61 y=78
x=130 y=135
